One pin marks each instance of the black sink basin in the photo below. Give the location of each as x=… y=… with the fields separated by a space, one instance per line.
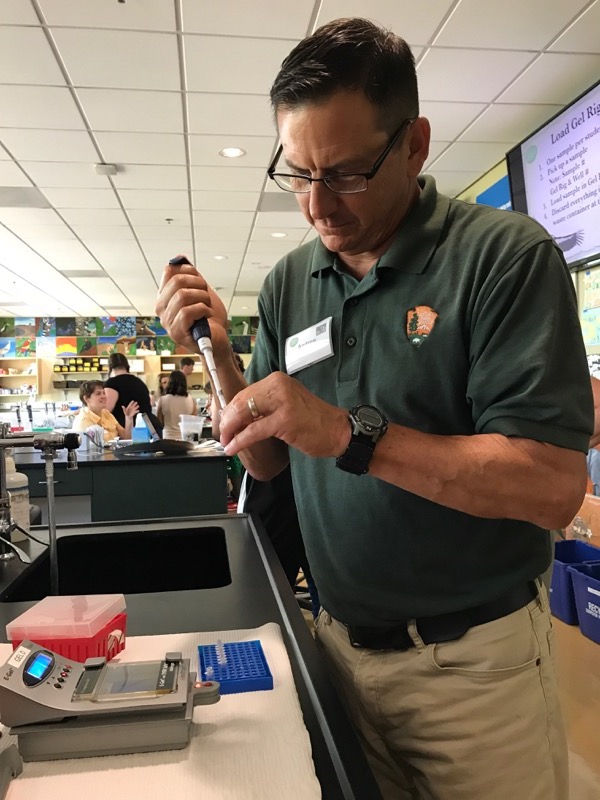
x=129 y=562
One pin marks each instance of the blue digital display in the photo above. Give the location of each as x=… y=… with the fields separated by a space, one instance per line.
x=39 y=666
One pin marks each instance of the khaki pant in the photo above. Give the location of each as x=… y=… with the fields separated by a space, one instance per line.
x=473 y=719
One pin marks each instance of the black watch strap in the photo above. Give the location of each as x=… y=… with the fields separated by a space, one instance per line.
x=368 y=426
x=358 y=455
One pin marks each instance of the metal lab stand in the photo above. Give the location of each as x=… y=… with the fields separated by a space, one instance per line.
x=48 y=444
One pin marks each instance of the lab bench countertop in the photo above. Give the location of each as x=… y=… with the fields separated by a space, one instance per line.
x=257 y=593
x=29 y=457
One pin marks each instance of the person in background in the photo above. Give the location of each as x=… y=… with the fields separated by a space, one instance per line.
x=163 y=382
x=186 y=365
x=209 y=410
x=94 y=412
x=593 y=456
x=174 y=402
x=436 y=435
x=122 y=387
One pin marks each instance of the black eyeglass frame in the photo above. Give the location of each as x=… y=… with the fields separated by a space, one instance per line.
x=367 y=175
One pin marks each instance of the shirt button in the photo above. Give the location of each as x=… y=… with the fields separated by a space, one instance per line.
x=351 y=341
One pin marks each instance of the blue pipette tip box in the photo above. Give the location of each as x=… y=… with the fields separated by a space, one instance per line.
x=245 y=670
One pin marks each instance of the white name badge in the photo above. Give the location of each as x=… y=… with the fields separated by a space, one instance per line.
x=308 y=347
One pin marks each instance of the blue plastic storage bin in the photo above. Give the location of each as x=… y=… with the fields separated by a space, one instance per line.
x=562 y=597
x=586 y=585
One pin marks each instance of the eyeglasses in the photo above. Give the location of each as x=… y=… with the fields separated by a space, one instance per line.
x=342 y=183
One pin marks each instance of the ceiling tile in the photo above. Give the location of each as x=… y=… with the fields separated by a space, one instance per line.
x=41 y=233
x=166 y=249
x=38 y=107
x=260 y=248
x=46 y=175
x=145 y=176
x=220 y=219
x=144 y=198
x=12 y=175
x=469 y=156
x=555 y=78
x=582 y=36
x=279 y=220
x=125 y=110
x=16 y=12
x=223 y=233
x=449 y=119
x=233 y=65
x=153 y=15
x=116 y=252
x=94 y=216
x=242 y=179
x=158 y=216
x=43 y=145
x=16 y=65
x=219 y=247
x=505 y=122
x=65 y=254
x=82 y=198
x=492 y=24
x=435 y=149
x=263 y=18
x=102 y=289
x=135 y=60
x=29 y=216
x=225 y=201
x=142 y=148
x=103 y=233
x=162 y=233
x=494 y=70
x=230 y=114
x=415 y=22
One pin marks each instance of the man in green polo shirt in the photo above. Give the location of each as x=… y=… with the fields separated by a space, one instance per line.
x=421 y=366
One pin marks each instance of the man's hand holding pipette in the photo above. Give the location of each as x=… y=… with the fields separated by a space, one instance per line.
x=184 y=299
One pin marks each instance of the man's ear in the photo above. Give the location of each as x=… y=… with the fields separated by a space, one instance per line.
x=419 y=137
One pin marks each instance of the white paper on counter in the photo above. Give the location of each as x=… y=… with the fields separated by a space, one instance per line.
x=250 y=746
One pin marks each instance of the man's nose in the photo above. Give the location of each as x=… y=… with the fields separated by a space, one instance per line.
x=322 y=201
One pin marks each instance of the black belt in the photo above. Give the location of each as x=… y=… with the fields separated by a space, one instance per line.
x=443 y=628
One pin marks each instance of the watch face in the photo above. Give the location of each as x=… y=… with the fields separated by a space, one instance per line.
x=369 y=416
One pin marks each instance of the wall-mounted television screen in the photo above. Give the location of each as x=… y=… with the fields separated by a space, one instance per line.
x=554 y=177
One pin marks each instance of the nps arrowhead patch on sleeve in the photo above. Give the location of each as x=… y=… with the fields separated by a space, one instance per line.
x=420 y=321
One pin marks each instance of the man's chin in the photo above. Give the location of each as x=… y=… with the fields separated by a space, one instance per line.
x=336 y=242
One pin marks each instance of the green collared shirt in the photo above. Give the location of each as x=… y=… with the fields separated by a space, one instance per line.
x=467 y=324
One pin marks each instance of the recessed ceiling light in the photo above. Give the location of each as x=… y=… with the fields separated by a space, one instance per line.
x=232 y=152
x=278 y=235
x=220 y=258
x=244 y=308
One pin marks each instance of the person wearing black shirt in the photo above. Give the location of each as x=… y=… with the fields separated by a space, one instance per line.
x=122 y=387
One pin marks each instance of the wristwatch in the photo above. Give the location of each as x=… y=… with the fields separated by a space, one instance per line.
x=368 y=426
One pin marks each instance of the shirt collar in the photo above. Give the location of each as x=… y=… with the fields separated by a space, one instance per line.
x=415 y=241
x=95 y=418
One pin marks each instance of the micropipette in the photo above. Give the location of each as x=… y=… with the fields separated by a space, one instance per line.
x=201 y=332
